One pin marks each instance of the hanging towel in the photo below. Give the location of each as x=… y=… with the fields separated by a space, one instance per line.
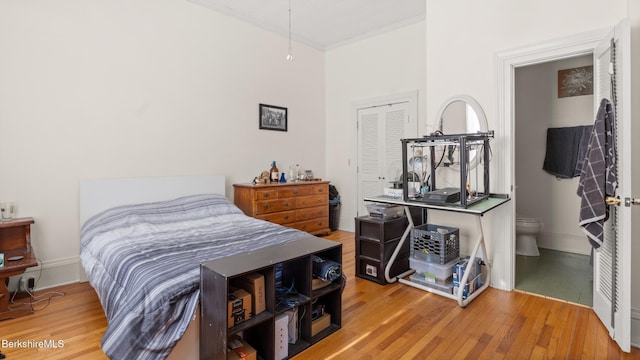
x=598 y=177
x=583 y=145
x=566 y=150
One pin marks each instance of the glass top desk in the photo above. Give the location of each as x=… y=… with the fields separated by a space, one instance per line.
x=477 y=209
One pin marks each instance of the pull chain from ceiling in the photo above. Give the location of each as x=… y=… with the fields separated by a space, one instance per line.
x=289 y=56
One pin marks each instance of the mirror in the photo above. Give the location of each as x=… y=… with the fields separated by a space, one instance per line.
x=461 y=114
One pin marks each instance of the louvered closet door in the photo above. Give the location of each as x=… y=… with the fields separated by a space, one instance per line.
x=612 y=262
x=380 y=129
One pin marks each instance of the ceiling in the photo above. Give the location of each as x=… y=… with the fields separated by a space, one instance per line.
x=323 y=24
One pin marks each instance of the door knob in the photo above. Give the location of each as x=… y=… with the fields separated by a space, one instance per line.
x=610 y=200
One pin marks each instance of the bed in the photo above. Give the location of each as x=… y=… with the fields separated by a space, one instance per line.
x=142 y=242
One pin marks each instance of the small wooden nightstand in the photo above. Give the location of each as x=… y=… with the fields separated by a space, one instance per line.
x=15 y=240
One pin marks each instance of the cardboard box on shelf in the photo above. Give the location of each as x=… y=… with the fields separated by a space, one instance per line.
x=320 y=324
x=254 y=284
x=281 y=335
x=470 y=287
x=318 y=283
x=460 y=267
x=240 y=350
x=239 y=306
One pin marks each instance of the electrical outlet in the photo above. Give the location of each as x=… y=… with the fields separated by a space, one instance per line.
x=27 y=283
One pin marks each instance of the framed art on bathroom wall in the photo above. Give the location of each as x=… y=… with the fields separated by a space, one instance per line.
x=575 y=82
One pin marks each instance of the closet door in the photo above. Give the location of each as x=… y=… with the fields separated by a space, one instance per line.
x=380 y=129
x=612 y=261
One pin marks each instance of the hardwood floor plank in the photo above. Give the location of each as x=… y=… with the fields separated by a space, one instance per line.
x=479 y=347
x=536 y=317
x=559 y=321
x=394 y=321
x=578 y=343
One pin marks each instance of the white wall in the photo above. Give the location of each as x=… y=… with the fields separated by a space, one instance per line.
x=125 y=88
x=538 y=193
x=386 y=64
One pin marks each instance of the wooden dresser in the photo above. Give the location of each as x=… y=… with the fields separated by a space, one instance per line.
x=301 y=205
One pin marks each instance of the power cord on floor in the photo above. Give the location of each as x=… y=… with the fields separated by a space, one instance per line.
x=33 y=299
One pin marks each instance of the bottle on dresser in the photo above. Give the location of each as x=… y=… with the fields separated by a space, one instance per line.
x=274 y=173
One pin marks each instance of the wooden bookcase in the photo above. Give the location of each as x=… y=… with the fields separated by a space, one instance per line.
x=295 y=259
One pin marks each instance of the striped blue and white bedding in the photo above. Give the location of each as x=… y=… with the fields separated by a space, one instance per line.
x=144 y=263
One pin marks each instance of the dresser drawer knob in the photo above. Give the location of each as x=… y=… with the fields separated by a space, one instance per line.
x=266 y=206
x=266 y=195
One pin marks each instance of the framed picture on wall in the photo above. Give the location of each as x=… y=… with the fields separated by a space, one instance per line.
x=575 y=82
x=273 y=117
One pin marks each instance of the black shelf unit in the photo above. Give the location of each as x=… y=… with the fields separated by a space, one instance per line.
x=296 y=260
x=376 y=239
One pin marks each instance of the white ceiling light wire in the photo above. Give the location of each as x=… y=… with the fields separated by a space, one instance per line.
x=289 y=56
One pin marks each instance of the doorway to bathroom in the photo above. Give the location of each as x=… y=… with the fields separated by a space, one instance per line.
x=612 y=66
x=552 y=255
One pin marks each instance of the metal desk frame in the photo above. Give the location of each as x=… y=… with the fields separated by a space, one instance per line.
x=477 y=210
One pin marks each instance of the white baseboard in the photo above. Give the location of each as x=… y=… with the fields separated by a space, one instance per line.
x=576 y=244
x=52 y=273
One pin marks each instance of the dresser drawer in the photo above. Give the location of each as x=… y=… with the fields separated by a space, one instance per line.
x=381 y=251
x=310 y=201
x=294 y=191
x=312 y=213
x=320 y=189
x=270 y=206
x=374 y=270
x=312 y=225
x=380 y=229
x=266 y=194
x=283 y=217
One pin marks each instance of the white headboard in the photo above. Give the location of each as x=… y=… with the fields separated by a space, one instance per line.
x=97 y=195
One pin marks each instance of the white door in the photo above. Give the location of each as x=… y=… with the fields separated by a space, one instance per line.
x=612 y=262
x=380 y=129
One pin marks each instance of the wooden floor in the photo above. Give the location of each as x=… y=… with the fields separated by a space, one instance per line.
x=379 y=322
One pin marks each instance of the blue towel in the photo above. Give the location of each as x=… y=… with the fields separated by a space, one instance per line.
x=326 y=270
x=566 y=150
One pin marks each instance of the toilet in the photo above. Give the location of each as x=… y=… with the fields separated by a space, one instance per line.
x=526 y=231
